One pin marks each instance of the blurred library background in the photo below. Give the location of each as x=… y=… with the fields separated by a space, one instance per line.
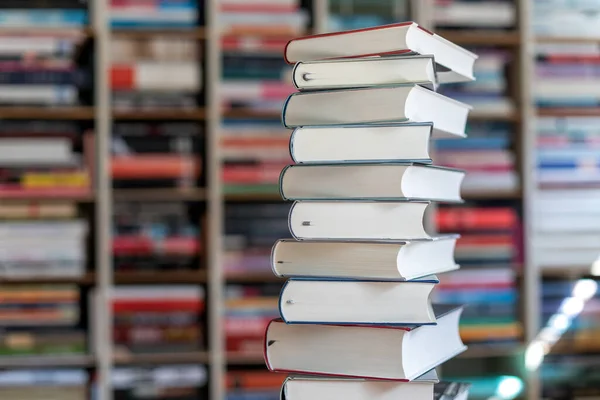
x=140 y=150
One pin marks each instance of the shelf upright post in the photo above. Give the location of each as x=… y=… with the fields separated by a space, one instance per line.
x=215 y=199
x=320 y=9
x=102 y=313
x=531 y=273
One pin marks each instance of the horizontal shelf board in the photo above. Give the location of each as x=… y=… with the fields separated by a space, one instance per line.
x=161 y=114
x=253 y=278
x=253 y=197
x=166 y=358
x=483 y=116
x=160 y=277
x=87 y=279
x=481 y=37
x=15 y=197
x=167 y=194
x=569 y=112
x=492 y=195
x=567 y=40
x=245 y=359
x=142 y=33
x=51 y=113
x=249 y=114
x=84 y=31
x=492 y=350
x=572 y=271
x=46 y=361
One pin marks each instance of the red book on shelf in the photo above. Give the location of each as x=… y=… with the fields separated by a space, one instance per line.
x=452 y=219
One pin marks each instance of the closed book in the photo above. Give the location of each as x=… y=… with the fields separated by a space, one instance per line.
x=381 y=352
x=305 y=301
x=365 y=72
x=375 y=260
x=426 y=387
x=378 y=105
x=370 y=181
x=359 y=220
x=361 y=143
x=404 y=38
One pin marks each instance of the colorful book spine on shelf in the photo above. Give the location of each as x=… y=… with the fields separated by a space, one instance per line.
x=131 y=14
x=154 y=319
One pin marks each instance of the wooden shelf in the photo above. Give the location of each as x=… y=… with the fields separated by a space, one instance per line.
x=161 y=114
x=87 y=279
x=51 y=361
x=196 y=194
x=492 y=195
x=492 y=350
x=245 y=359
x=51 y=113
x=253 y=197
x=482 y=37
x=567 y=40
x=483 y=116
x=85 y=31
x=160 y=277
x=249 y=114
x=166 y=358
x=192 y=33
x=569 y=272
x=46 y=199
x=267 y=277
x=569 y=112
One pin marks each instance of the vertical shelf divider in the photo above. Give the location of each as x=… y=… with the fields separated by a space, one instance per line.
x=103 y=348
x=320 y=10
x=531 y=273
x=215 y=198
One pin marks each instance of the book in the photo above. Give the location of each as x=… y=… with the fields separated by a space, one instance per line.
x=332 y=302
x=361 y=143
x=367 y=72
x=426 y=387
x=388 y=181
x=381 y=352
x=376 y=260
x=356 y=220
x=402 y=38
x=402 y=103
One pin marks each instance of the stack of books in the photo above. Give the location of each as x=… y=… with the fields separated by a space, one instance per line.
x=356 y=313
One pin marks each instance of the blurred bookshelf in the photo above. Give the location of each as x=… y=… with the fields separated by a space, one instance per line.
x=197 y=88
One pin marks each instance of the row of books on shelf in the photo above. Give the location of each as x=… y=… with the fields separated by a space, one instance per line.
x=177 y=382
x=49 y=321
x=61 y=163
x=49 y=240
x=153 y=72
x=123 y=14
x=565 y=18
